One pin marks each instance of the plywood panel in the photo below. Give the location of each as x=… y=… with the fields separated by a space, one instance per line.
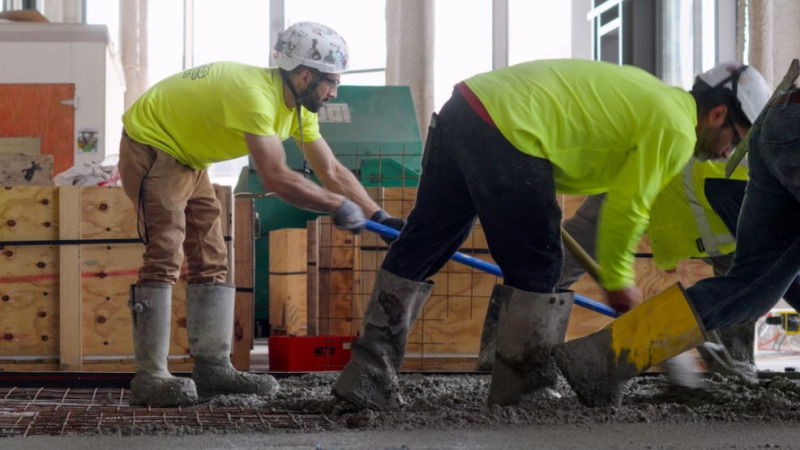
x=288 y=312
x=69 y=271
x=106 y=213
x=336 y=247
x=29 y=316
x=312 y=291
x=288 y=251
x=244 y=262
x=28 y=213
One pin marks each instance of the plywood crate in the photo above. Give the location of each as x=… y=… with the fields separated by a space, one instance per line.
x=288 y=300
x=69 y=257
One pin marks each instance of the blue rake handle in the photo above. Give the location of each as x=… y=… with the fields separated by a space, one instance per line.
x=492 y=269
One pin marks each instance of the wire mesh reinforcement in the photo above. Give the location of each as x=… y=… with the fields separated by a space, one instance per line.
x=56 y=412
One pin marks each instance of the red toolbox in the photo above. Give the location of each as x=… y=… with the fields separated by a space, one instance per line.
x=309 y=353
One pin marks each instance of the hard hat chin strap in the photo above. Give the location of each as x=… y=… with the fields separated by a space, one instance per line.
x=298 y=105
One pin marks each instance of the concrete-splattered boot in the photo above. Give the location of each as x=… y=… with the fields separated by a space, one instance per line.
x=151 y=310
x=529 y=325
x=489 y=334
x=370 y=378
x=209 y=322
x=731 y=351
x=597 y=366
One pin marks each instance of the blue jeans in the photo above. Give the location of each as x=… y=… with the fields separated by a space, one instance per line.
x=469 y=171
x=768 y=232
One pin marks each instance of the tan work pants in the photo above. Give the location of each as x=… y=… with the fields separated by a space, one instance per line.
x=177 y=212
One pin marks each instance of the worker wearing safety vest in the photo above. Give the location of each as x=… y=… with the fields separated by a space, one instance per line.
x=500 y=149
x=682 y=222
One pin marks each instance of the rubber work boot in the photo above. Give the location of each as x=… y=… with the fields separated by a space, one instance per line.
x=153 y=385
x=718 y=360
x=209 y=320
x=597 y=366
x=489 y=335
x=529 y=325
x=369 y=380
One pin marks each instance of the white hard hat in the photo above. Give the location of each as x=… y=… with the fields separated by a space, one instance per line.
x=313 y=45
x=745 y=82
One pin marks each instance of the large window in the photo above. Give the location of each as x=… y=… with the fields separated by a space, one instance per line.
x=164 y=39
x=234 y=30
x=539 y=29
x=695 y=23
x=105 y=12
x=463 y=43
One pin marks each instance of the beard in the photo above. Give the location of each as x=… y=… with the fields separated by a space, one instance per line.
x=312 y=102
x=709 y=146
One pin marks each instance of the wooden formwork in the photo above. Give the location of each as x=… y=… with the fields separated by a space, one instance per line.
x=342 y=269
x=69 y=256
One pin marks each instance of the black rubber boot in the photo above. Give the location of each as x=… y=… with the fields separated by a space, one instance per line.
x=529 y=325
x=489 y=335
x=370 y=378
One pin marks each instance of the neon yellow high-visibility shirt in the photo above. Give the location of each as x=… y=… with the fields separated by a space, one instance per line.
x=682 y=222
x=199 y=116
x=605 y=128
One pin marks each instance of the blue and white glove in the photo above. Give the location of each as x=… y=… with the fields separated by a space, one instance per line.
x=349 y=217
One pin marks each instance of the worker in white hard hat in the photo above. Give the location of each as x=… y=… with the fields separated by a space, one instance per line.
x=765 y=264
x=500 y=149
x=173 y=133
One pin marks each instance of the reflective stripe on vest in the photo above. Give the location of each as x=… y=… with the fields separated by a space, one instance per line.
x=709 y=242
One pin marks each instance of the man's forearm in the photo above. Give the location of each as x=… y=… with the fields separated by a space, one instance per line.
x=342 y=181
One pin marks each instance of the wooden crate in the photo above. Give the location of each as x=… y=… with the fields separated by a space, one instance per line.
x=69 y=257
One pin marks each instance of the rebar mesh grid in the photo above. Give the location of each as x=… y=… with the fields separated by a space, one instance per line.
x=57 y=412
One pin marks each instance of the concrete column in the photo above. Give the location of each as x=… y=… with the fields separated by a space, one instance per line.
x=133 y=47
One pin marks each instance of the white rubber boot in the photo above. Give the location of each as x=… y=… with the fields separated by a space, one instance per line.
x=153 y=385
x=209 y=320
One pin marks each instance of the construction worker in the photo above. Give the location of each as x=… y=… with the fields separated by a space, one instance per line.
x=172 y=134
x=499 y=150
x=693 y=217
x=764 y=266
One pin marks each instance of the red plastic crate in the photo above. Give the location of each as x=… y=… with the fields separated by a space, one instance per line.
x=309 y=353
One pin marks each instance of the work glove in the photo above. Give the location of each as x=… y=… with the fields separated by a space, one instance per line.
x=349 y=217
x=385 y=219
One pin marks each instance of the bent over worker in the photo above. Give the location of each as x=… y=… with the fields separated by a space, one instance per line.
x=695 y=216
x=500 y=149
x=765 y=264
x=173 y=133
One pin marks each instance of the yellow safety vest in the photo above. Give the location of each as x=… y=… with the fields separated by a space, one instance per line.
x=683 y=224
